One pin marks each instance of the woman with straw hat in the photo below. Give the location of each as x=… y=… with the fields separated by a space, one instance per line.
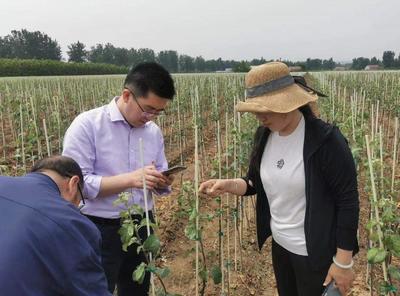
x=304 y=175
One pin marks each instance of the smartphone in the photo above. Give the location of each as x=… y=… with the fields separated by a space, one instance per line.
x=331 y=290
x=174 y=170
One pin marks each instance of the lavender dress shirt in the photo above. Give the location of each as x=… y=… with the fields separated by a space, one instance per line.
x=104 y=144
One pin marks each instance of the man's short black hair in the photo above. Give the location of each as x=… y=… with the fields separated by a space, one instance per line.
x=152 y=77
x=62 y=165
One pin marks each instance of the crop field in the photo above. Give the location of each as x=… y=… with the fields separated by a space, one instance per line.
x=209 y=245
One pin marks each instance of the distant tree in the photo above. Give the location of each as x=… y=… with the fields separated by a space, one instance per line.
x=121 y=56
x=242 y=66
x=77 y=53
x=146 y=55
x=133 y=57
x=375 y=61
x=289 y=63
x=109 y=53
x=200 y=64
x=256 y=62
x=29 y=45
x=220 y=64
x=397 y=62
x=388 y=59
x=186 y=64
x=328 y=64
x=95 y=55
x=313 y=64
x=360 y=63
x=169 y=60
x=5 y=49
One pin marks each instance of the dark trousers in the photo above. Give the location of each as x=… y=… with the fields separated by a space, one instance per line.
x=119 y=265
x=293 y=274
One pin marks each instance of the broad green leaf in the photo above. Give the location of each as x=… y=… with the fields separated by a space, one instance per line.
x=372 y=254
x=370 y=224
x=374 y=237
x=138 y=210
x=161 y=272
x=152 y=244
x=385 y=288
x=216 y=275
x=203 y=274
x=376 y=255
x=394 y=272
x=395 y=244
x=191 y=232
x=139 y=274
x=164 y=272
x=193 y=214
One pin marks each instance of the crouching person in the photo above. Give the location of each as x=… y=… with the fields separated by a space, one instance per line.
x=47 y=246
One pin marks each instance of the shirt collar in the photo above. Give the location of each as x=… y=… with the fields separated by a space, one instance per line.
x=113 y=110
x=116 y=115
x=49 y=181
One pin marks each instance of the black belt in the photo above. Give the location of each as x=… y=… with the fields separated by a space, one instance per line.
x=115 y=221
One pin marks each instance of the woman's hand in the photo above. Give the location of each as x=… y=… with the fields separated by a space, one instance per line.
x=214 y=187
x=343 y=278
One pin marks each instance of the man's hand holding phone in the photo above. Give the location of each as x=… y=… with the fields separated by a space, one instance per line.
x=169 y=176
x=174 y=170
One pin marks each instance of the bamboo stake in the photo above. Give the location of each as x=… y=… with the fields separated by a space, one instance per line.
x=353 y=110
x=22 y=139
x=381 y=161
x=237 y=199
x=362 y=110
x=196 y=185
x=221 y=248
x=227 y=202
x=377 y=118
x=180 y=129
x=46 y=136
x=396 y=128
x=240 y=201
x=39 y=146
x=374 y=195
x=146 y=208
x=388 y=130
x=3 y=136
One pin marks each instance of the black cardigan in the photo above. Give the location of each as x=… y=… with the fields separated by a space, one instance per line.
x=332 y=205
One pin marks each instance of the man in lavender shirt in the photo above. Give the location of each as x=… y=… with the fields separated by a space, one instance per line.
x=105 y=143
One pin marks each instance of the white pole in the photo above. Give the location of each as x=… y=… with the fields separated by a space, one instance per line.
x=146 y=208
x=47 y=137
x=196 y=186
x=396 y=128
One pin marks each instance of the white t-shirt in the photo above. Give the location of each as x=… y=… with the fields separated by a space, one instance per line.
x=283 y=178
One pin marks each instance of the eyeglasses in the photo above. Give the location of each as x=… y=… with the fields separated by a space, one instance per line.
x=82 y=198
x=146 y=114
x=80 y=192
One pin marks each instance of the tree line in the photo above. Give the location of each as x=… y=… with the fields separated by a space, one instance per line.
x=24 y=44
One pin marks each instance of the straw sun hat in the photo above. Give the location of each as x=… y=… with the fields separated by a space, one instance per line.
x=271 y=88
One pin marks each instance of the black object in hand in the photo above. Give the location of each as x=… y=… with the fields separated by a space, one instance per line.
x=331 y=290
x=174 y=170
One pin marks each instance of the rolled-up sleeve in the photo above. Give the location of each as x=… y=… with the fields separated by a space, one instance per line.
x=79 y=145
x=250 y=190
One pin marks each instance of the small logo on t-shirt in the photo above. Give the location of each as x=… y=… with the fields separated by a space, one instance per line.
x=280 y=163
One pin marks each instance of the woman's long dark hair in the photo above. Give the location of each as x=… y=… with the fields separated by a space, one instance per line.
x=261 y=136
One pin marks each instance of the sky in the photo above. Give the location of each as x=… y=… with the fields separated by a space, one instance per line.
x=230 y=29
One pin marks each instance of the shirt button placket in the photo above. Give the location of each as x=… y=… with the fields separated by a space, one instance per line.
x=131 y=156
